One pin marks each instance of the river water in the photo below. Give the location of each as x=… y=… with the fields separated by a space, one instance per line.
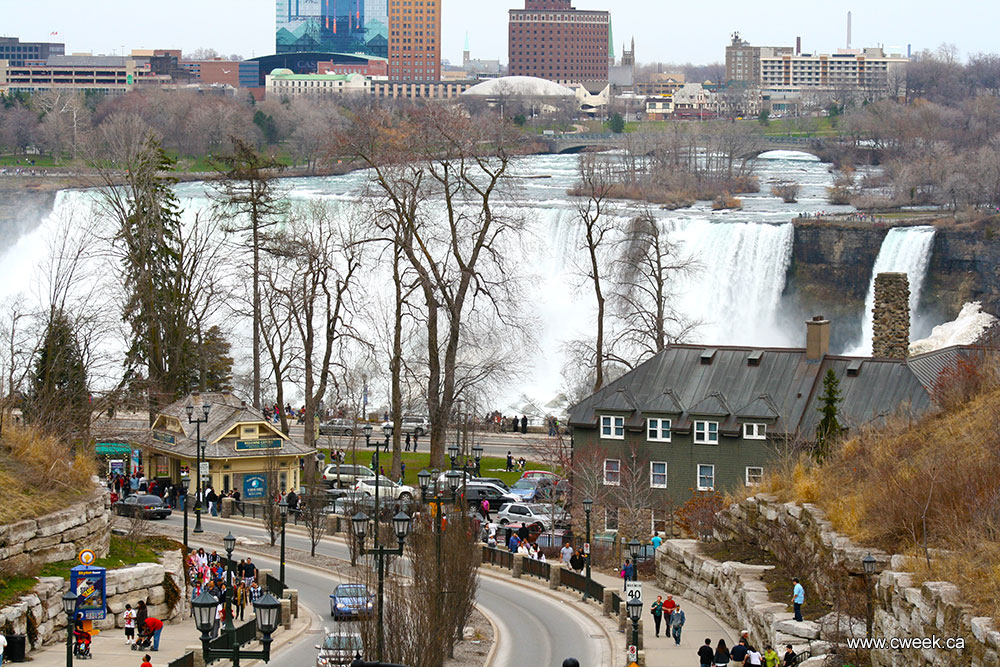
x=742 y=257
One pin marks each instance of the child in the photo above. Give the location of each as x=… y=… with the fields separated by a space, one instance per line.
x=146 y=661
x=129 y=624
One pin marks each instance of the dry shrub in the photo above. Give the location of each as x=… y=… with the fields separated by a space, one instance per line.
x=40 y=474
x=696 y=517
x=787 y=190
x=726 y=201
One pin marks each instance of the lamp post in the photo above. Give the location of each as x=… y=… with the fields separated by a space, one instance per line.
x=401 y=525
x=634 y=548
x=367 y=429
x=467 y=470
x=205 y=408
x=283 y=508
x=454 y=480
x=587 y=504
x=267 y=611
x=69 y=606
x=868 y=562
x=229 y=544
x=185 y=501
x=634 y=607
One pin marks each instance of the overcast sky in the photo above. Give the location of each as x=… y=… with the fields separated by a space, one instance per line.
x=664 y=31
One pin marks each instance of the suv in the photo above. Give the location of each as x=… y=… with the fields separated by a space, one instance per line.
x=338 y=427
x=475 y=492
x=418 y=426
x=530 y=513
x=350 y=474
x=387 y=488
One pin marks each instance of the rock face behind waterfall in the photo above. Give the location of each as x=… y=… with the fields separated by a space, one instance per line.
x=21 y=211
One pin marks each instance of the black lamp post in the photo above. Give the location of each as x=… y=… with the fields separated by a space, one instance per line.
x=229 y=544
x=184 y=499
x=868 y=562
x=401 y=526
x=467 y=470
x=268 y=614
x=283 y=508
x=367 y=430
x=587 y=504
x=69 y=606
x=634 y=608
x=438 y=501
x=634 y=548
x=205 y=408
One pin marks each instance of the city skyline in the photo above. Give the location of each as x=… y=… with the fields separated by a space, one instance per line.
x=251 y=27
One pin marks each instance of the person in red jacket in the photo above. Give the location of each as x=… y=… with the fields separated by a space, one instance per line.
x=155 y=626
x=146 y=661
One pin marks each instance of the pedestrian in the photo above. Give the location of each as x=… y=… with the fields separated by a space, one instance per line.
x=524 y=423
x=241 y=599
x=798 y=598
x=486 y=509
x=374 y=458
x=514 y=543
x=402 y=473
x=140 y=614
x=578 y=561
x=739 y=652
x=677 y=624
x=669 y=604
x=628 y=572
x=146 y=661
x=155 y=626
x=3 y=645
x=754 y=658
x=566 y=554
x=292 y=500
x=705 y=654
x=790 y=656
x=721 y=654
x=656 y=609
x=656 y=540
x=770 y=656
x=510 y=462
x=407 y=441
x=129 y=618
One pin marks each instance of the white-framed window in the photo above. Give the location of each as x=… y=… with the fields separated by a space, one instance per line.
x=610 y=518
x=755 y=431
x=706 y=477
x=706 y=433
x=754 y=475
x=658 y=430
x=612 y=427
x=612 y=472
x=658 y=474
x=660 y=522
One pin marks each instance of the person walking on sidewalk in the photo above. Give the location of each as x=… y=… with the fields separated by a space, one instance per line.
x=656 y=609
x=705 y=654
x=721 y=654
x=129 y=617
x=628 y=572
x=798 y=598
x=677 y=624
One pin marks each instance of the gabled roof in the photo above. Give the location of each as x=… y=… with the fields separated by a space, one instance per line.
x=667 y=402
x=761 y=407
x=713 y=405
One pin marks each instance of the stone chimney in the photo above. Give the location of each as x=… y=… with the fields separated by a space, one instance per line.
x=891 y=316
x=817 y=339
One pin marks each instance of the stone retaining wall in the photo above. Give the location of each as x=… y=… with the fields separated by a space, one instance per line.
x=127 y=585
x=58 y=536
x=736 y=592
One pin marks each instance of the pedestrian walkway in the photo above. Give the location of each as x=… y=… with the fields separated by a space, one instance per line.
x=699 y=624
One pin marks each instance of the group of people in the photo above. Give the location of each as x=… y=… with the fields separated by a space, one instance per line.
x=515 y=464
x=207 y=572
x=136 y=620
x=502 y=424
x=674 y=614
x=744 y=653
x=174 y=495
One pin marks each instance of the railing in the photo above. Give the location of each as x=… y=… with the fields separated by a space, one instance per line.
x=498 y=557
x=569 y=578
x=275 y=587
x=536 y=568
x=616 y=603
x=186 y=660
x=245 y=634
x=595 y=590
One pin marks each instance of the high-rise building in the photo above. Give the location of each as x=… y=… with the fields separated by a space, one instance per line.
x=332 y=26
x=743 y=60
x=414 y=40
x=552 y=40
x=18 y=53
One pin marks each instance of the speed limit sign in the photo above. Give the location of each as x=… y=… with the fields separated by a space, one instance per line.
x=633 y=591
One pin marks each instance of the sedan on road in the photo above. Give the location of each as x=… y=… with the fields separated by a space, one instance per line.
x=147 y=507
x=350 y=601
x=339 y=648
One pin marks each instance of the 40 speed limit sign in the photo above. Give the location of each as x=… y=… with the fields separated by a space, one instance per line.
x=633 y=591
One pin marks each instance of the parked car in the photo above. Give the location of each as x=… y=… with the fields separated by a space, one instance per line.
x=350 y=601
x=530 y=513
x=349 y=474
x=386 y=489
x=496 y=481
x=533 y=489
x=339 y=427
x=148 y=507
x=418 y=426
x=535 y=474
x=339 y=649
x=475 y=492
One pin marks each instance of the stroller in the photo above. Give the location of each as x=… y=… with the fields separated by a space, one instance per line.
x=81 y=645
x=144 y=639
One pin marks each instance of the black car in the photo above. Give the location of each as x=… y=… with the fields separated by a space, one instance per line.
x=146 y=506
x=475 y=492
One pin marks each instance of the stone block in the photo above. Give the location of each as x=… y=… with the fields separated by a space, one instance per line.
x=19 y=532
x=286 y=613
x=56 y=553
x=39 y=543
x=227 y=508
x=518 y=567
x=293 y=597
x=606 y=603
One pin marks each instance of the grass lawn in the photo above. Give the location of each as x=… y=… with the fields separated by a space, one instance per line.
x=24 y=161
x=415 y=462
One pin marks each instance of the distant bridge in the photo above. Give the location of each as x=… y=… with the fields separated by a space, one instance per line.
x=575 y=143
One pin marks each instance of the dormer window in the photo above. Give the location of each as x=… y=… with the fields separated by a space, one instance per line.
x=752 y=431
x=657 y=430
x=706 y=433
x=612 y=427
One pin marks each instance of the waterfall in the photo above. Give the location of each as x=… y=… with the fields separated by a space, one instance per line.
x=904 y=250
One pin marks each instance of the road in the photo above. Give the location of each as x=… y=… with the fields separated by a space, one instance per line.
x=494 y=444
x=535 y=629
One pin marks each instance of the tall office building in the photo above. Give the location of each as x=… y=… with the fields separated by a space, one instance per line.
x=332 y=26
x=552 y=40
x=19 y=54
x=414 y=40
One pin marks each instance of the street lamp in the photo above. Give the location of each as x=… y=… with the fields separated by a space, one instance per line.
x=868 y=562
x=387 y=430
x=69 y=607
x=470 y=470
x=283 y=508
x=267 y=611
x=633 y=550
x=367 y=429
x=438 y=501
x=189 y=409
x=634 y=607
x=587 y=504
x=401 y=526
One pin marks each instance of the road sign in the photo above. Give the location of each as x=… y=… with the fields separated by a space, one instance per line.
x=633 y=591
x=586 y=548
x=203 y=469
x=633 y=655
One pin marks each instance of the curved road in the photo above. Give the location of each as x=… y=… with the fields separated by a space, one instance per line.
x=535 y=629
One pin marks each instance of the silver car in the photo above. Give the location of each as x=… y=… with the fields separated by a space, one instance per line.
x=339 y=649
x=529 y=513
x=339 y=427
x=418 y=426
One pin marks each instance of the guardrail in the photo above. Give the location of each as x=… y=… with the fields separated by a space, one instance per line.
x=573 y=580
x=275 y=587
x=186 y=660
x=245 y=634
x=616 y=603
x=537 y=568
x=499 y=557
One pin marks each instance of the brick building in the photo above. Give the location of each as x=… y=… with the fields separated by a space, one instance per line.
x=552 y=40
x=371 y=66
x=415 y=40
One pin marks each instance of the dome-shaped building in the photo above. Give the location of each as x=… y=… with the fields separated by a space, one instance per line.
x=519 y=86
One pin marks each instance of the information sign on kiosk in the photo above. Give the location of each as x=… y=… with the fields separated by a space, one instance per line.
x=89 y=584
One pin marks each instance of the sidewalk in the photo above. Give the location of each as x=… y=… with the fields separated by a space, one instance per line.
x=109 y=648
x=661 y=651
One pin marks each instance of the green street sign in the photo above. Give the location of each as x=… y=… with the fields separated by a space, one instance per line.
x=247 y=445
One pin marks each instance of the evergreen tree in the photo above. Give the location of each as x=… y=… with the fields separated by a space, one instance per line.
x=216 y=365
x=616 y=123
x=829 y=427
x=59 y=401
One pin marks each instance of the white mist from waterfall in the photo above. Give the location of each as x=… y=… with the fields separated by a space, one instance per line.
x=904 y=250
